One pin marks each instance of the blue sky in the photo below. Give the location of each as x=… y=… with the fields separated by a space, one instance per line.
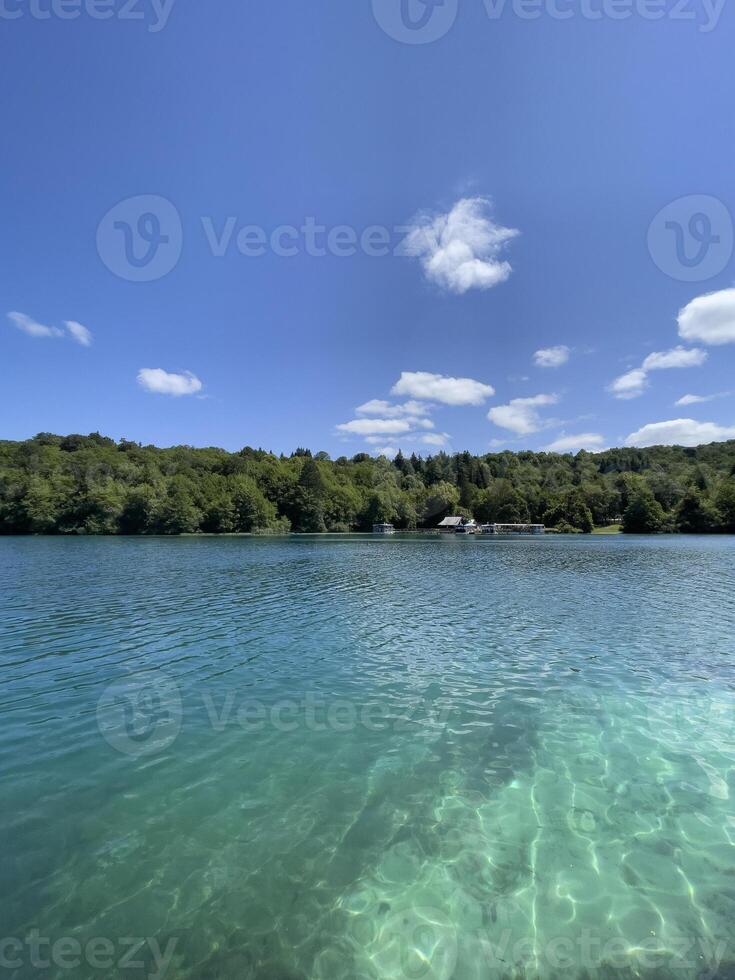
x=548 y=173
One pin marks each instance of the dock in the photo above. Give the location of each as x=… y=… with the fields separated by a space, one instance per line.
x=513 y=528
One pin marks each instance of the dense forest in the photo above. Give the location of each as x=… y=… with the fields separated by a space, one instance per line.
x=93 y=485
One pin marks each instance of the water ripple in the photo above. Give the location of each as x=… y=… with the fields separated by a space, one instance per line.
x=422 y=757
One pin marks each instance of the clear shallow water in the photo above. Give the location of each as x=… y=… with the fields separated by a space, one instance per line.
x=356 y=758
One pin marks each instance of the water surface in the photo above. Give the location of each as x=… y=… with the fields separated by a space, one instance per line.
x=352 y=758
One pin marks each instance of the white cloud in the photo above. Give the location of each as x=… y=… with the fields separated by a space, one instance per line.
x=680 y=432
x=390 y=411
x=629 y=385
x=79 y=333
x=700 y=399
x=634 y=383
x=437 y=387
x=436 y=439
x=591 y=441
x=678 y=357
x=371 y=427
x=162 y=383
x=520 y=415
x=367 y=427
x=390 y=452
x=709 y=318
x=694 y=399
x=461 y=250
x=29 y=326
x=552 y=357
x=429 y=439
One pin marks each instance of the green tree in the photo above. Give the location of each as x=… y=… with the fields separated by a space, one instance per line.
x=176 y=513
x=570 y=510
x=441 y=501
x=307 y=511
x=219 y=515
x=252 y=511
x=43 y=506
x=501 y=503
x=696 y=514
x=644 y=514
x=342 y=504
x=725 y=503
x=103 y=507
x=139 y=510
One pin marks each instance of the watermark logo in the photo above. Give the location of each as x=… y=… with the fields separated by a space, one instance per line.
x=415 y=21
x=424 y=21
x=154 y=13
x=141 y=238
x=705 y=14
x=116 y=957
x=691 y=239
x=141 y=714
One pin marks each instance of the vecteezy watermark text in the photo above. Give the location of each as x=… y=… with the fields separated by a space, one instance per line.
x=315 y=714
x=143 y=714
x=590 y=951
x=100 y=953
x=705 y=13
x=141 y=238
x=425 y=21
x=425 y=942
x=154 y=13
x=308 y=238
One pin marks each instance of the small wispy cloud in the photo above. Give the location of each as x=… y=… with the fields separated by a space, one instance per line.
x=384 y=427
x=79 y=333
x=388 y=410
x=679 y=357
x=633 y=383
x=461 y=249
x=438 y=388
x=32 y=327
x=161 y=382
x=701 y=399
x=552 y=357
x=629 y=385
x=521 y=415
x=591 y=441
x=436 y=439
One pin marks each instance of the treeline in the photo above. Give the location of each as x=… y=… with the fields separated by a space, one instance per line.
x=93 y=485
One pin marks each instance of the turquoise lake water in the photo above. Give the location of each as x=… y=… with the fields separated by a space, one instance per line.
x=352 y=758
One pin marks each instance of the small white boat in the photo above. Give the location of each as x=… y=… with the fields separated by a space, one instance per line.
x=383 y=529
x=468 y=528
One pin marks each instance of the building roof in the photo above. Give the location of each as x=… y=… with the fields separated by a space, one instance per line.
x=451 y=522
